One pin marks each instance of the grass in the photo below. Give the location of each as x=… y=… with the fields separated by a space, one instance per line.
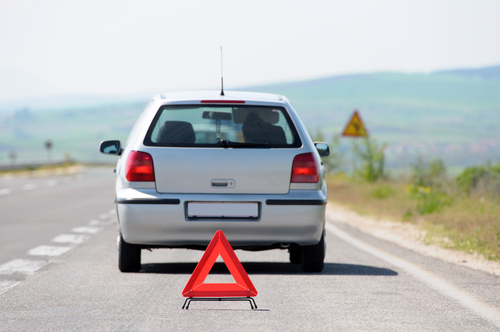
x=451 y=220
x=46 y=169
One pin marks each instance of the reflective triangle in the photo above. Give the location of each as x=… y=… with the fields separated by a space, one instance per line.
x=355 y=127
x=196 y=287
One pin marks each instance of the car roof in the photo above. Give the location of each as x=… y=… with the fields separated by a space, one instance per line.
x=216 y=96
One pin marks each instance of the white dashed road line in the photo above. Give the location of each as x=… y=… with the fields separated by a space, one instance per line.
x=48 y=251
x=6 y=285
x=480 y=308
x=23 y=266
x=30 y=186
x=5 y=191
x=26 y=266
x=52 y=183
x=87 y=229
x=69 y=238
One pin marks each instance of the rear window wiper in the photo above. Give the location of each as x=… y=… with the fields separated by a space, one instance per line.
x=229 y=144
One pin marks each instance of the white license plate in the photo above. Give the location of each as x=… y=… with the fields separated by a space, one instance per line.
x=223 y=210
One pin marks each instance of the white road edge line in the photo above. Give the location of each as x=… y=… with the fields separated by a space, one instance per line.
x=7 y=285
x=489 y=313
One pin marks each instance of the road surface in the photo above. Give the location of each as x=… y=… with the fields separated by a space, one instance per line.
x=58 y=272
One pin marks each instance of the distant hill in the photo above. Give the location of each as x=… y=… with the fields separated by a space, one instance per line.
x=489 y=73
x=452 y=114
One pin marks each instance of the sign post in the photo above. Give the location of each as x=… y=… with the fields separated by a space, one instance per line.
x=355 y=128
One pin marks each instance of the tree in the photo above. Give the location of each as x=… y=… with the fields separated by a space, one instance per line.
x=334 y=162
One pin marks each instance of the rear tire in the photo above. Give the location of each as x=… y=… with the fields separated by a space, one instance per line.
x=295 y=253
x=129 y=256
x=313 y=257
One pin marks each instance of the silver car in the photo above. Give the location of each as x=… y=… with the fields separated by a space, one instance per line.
x=198 y=162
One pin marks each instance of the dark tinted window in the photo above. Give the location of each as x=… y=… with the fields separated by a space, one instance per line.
x=222 y=126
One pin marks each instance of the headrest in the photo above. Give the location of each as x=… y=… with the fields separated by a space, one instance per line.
x=266 y=114
x=176 y=132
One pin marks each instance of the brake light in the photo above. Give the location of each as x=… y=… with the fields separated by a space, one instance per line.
x=305 y=169
x=222 y=101
x=139 y=167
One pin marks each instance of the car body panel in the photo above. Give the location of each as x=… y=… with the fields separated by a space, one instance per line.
x=155 y=213
x=169 y=225
x=192 y=170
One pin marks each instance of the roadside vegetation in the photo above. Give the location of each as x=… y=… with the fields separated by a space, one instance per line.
x=460 y=212
x=62 y=168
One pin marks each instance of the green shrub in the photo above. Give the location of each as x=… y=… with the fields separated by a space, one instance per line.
x=408 y=214
x=334 y=162
x=428 y=175
x=382 y=192
x=486 y=178
x=432 y=202
x=427 y=186
x=373 y=160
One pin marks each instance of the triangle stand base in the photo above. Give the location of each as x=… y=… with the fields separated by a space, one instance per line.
x=188 y=301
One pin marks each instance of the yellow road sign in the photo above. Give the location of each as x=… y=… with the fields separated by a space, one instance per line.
x=355 y=127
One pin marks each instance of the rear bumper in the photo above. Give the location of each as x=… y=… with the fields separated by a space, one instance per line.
x=149 y=218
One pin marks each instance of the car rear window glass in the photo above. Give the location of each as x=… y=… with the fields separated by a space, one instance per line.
x=222 y=126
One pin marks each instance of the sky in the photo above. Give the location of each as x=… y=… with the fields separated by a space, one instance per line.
x=108 y=47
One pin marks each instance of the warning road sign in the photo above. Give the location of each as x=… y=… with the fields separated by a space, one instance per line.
x=355 y=127
x=196 y=287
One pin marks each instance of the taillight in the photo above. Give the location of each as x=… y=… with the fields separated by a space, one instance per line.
x=305 y=169
x=139 y=167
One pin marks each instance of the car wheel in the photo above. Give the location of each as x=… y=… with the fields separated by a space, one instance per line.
x=295 y=254
x=313 y=257
x=129 y=256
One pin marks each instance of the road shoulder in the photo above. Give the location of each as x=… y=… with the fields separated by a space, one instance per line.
x=409 y=236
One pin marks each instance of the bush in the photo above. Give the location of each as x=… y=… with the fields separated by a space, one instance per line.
x=480 y=178
x=427 y=186
x=428 y=175
x=373 y=160
x=334 y=162
x=433 y=202
x=382 y=192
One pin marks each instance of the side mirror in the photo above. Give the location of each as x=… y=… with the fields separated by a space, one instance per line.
x=111 y=147
x=323 y=149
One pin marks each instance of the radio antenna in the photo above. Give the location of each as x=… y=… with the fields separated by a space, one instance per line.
x=221 y=74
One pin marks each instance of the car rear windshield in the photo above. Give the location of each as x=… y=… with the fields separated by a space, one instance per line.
x=222 y=126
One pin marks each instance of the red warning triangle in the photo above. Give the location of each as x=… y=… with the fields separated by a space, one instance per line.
x=243 y=286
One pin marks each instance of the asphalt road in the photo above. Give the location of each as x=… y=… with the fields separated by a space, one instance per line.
x=58 y=272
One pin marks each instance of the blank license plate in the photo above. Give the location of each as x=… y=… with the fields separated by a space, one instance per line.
x=223 y=210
